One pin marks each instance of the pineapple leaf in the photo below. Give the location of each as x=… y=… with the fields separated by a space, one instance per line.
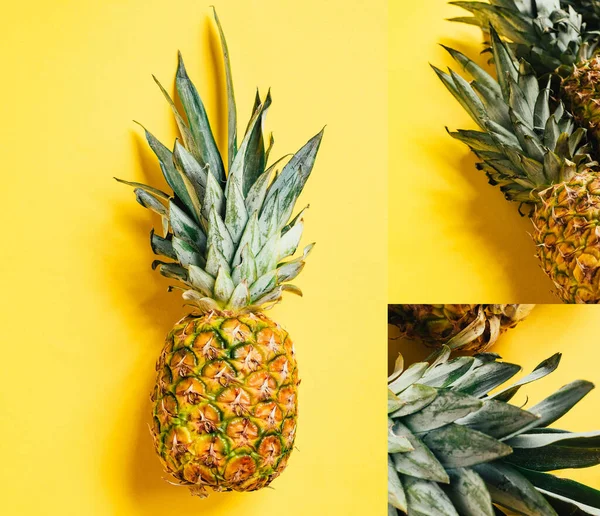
x=162 y=246
x=201 y=280
x=223 y=286
x=414 y=399
x=198 y=122
x=294 y=175
x=231 y=108
x=396 y=494
x=426 y=498
x=408 y=377
x=446 y=408
x=150 y=201
x=419 y=463
x=486 y=377
x=236 y=216
x=185 y=228
x=559 y=403
x=512 y=490
x=149 y=189
x=219 y=236
x=555 y=486
x=444 y=375
x=240 y=296
x=188 y=166
x=468 y=493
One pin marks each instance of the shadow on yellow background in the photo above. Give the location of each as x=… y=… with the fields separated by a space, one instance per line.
x=452 y=236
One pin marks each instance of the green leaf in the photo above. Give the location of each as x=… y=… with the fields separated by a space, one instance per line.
x=396 y=495
x=543 y=369
x=213 y=198
x=231 y=108
x=219 y=236
x=201 y=280
x=446 y=408
x=512 y=490
x=548 y=452
x=398 y=443
x=446 y=374
x=215 y=261
x=246 y=269
x=240 y=297
x=457 y=446
x=288 y=243
x=170 y=270
x=485 y=378
x=287 y=271
x=186 y=254
x=250 y=238
x=185 y=228
x=223 y=286
x=236 y=216
x=263 y=285
x=172 y=176
x=150 y=201
x=478 y=73
x=294 y=175
x=149 y=189
x=198 y=122
x=420 y=462
x=162 y=246
x=187 y=165
x=563 y=487
x=414 y=399
x=559 y=403
x=426 y=498
x=468 y=493
x=498 y=419
x=410 y=376
x=184 y=130
x=257 y=193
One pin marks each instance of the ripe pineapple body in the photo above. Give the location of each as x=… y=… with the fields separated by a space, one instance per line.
x=580 y=90
x=566 y=232
x=225 y=401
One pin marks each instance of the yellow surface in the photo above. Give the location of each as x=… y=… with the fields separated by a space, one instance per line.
x=452 y=236
x=569 y=329
x=83 y=316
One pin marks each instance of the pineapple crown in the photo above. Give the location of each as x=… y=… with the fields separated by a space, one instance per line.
x=454 y=448
x=227 y=234
x=589 y=10
x=524 y=145
x=544 y=32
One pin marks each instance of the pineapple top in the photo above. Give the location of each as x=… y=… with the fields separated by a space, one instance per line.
x=457 y=446
x=548 y=33
x=227 y=233
x=527 y=141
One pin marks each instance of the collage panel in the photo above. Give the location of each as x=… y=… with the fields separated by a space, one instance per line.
x=492 y=410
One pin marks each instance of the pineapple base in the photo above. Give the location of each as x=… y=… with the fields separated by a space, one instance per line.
x=225 y=402
x=566 y=232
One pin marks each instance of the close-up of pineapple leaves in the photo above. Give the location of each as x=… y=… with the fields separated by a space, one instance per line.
x=225 y=400
x=455 y=449
x=539 y=146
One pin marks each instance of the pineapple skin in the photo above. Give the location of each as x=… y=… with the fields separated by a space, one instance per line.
x=435 y=325
x=566 y=233
x=580 y=90
x=225 y=401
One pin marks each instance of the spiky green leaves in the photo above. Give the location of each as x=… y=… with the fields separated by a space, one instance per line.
x=229 y=234
x=544 y=32
x=455 y=449
x=524 y=145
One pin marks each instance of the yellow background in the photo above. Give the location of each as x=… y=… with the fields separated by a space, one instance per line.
x=83 y=317
x=569 y=329
x=452 y=236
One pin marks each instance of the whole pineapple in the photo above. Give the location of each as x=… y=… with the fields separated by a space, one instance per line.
x=225 y=400
x=460 y=326
x=531 y=147
x=454 y=448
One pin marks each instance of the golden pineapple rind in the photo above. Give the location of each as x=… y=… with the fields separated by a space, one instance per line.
x=566 y=233
x=225 y=401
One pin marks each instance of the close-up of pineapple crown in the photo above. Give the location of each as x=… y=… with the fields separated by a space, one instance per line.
x=226 y=227
x=455 y=447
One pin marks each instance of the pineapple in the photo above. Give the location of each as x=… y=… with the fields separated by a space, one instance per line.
x=530 y=146
x=225 y=400
x=454 y=448
x=468 y=327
